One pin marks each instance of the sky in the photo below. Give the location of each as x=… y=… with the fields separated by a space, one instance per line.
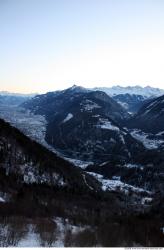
x=52 y=44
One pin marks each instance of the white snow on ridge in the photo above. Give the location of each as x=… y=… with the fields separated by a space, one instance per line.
x=152 y=104
x=4 y=197
x=160 y=133
x=114 y=185
x=2 y=200
x=133 y=90
x=68 y=117
x=150 y=107
x=146 y=200
x=131 y=165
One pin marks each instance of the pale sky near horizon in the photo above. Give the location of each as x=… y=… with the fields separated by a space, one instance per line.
x=52 y=44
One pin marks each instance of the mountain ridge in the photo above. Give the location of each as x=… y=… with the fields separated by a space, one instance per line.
x=137 y=90
x=113 y=90
x=84 y=124
x=150 y=117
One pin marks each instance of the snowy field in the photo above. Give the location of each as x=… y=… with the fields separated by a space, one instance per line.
x=116 y=185
x=21 y=232
x=105 y=124
x=148 y=140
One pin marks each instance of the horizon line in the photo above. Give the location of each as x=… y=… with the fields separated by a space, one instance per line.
x=7 y=92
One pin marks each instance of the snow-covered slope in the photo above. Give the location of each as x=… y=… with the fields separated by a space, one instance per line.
x=150 y=118
x=132 y=103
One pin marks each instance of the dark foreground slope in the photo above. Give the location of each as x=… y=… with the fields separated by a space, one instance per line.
x=37 y=187
x=33 y=177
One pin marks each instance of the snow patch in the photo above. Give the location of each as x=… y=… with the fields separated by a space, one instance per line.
x=117 y=185
x=146 y=200
x=89 y=105
x=68 y=117
x=160 y=133
x=32 y=238
x=131 y=165
x=79 y=163
x=105 y=124
x=2 y=199
x=116 y=178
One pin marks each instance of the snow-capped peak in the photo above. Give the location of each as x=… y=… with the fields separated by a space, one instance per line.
x=133 y=90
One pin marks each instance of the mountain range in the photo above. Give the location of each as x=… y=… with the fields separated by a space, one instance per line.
x=90 y=155
x=132 y=90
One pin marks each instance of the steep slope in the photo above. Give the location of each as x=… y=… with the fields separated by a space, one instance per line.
x=150 y=118
x=31 y=163
x=35 y=182
x=131 y=102
x=46 y=202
